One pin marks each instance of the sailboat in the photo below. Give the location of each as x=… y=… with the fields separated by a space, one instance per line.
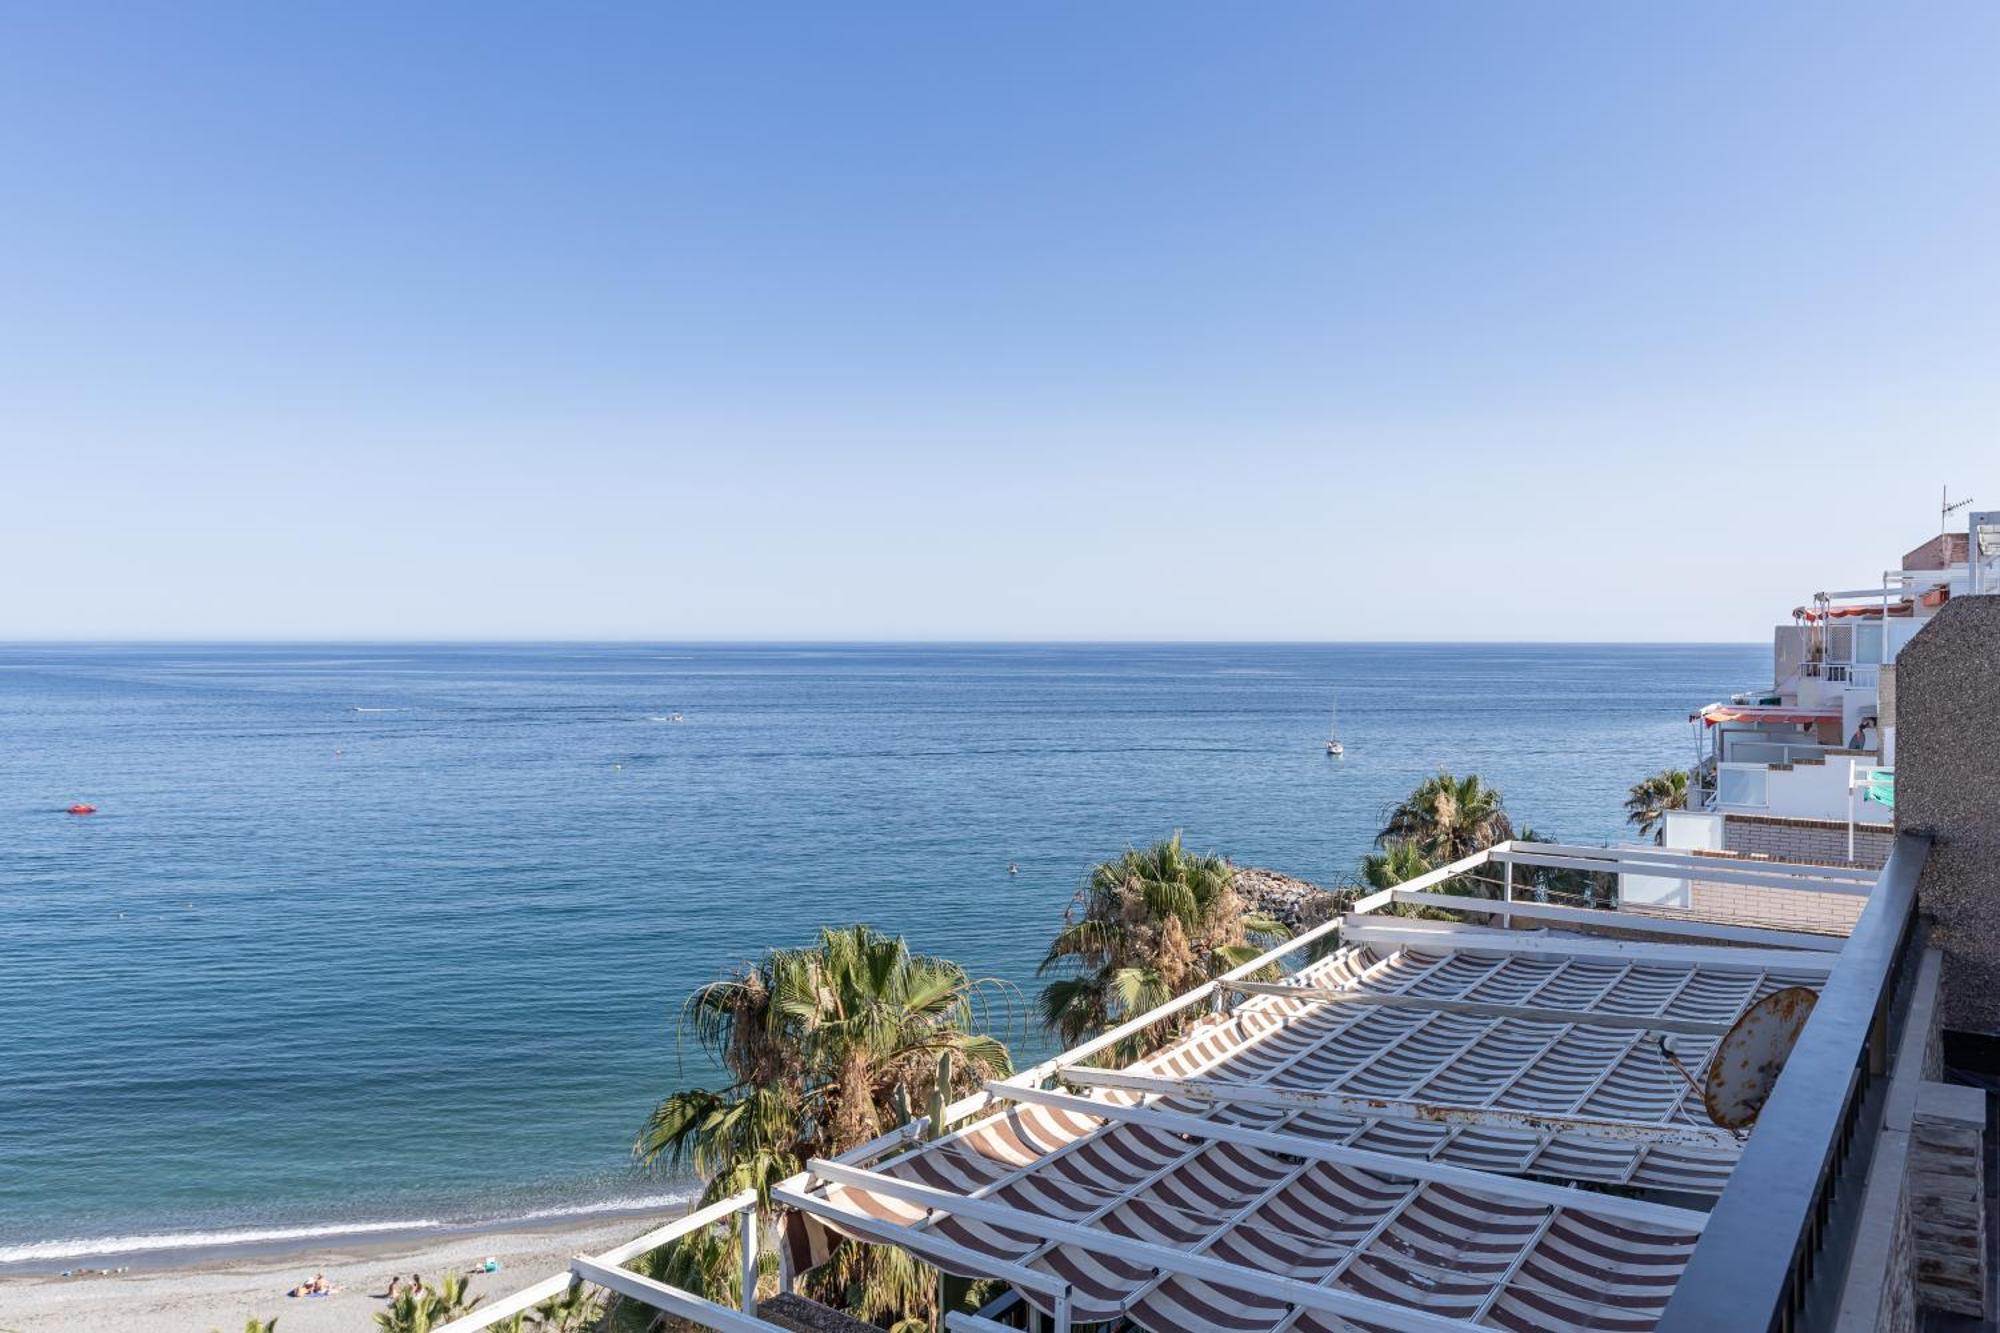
x=1333 y=745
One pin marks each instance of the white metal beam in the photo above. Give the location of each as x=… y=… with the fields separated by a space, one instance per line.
x=960 y=1322
x=1635 y=921
x=946 y=1253
x=1526 y=1013
x=1672 y=856
x=1410 y=933
x=1718 y=870
x=529 y=1297
x=1401 y=1108
x=1387 y=1164
x=674 y=1301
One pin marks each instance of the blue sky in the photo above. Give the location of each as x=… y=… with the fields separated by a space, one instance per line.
x=1447 y=321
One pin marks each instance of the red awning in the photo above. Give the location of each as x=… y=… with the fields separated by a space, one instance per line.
x=1715 y=713
x=1902 y=608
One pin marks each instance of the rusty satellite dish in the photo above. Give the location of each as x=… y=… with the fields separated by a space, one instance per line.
x=1752 y=1054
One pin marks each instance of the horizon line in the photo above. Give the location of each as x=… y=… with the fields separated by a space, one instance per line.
x=888 y=642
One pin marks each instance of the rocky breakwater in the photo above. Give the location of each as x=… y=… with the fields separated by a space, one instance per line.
x=1299 y=904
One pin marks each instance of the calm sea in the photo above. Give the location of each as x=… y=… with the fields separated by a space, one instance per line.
x=396 y=934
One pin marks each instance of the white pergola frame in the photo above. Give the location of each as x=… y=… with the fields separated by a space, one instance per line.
x=607 y=1270
x=1723 y=946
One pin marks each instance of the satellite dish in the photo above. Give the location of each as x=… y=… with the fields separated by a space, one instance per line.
x=1752 y=1054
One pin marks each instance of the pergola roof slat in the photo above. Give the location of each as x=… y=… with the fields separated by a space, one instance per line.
x=1387 y=1164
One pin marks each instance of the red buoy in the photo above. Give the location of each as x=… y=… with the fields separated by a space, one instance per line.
x=80 y=809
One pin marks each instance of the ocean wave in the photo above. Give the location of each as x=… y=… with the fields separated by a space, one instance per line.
x=643 y=1204
x=45 y=1251
x=36 y=1251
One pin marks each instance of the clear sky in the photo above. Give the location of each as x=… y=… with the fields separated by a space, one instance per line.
x=999 y=320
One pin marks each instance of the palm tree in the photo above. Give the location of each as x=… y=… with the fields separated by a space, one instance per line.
x=824 y=1047
x=1141 y=930
x=1649 y=801
x=1398 y=863
x=1447 y=818
x=421 y=1309
x=572 y=1312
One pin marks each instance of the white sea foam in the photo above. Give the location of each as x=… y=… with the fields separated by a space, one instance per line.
x=645 y=1204
x=45 y=1251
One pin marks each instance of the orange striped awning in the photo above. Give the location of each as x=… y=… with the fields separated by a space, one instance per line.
x=1715 y=713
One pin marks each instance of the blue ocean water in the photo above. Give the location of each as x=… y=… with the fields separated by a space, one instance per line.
x=397 y=934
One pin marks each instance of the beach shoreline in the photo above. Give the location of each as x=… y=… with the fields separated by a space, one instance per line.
x=219 y=1287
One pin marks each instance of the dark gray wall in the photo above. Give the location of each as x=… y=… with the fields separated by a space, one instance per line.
x=1947 y=701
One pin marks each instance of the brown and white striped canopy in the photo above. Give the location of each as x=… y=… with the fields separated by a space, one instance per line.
x=1459 y=1181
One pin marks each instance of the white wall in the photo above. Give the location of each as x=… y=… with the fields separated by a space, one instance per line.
x=1813 y=791
x=1687 y=830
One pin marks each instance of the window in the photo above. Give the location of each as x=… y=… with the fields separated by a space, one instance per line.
x=1741 y=786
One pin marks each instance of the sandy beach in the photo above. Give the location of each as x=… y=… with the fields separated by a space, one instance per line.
x=222 y=1292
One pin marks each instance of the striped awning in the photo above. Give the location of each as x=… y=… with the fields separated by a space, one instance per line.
x=1715 y=713
x=1380 y=1163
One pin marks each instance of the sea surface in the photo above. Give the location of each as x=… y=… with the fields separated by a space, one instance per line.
x=373 y=936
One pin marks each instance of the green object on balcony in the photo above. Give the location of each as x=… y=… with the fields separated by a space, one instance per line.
x=1879 y=785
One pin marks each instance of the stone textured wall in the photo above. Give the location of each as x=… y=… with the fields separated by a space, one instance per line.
x=1946 y=1198
x=1881 y=1297
x=1948 y=785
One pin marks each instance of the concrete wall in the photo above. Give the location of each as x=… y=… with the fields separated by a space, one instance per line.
x=1809 y=790
x=1921 y=1240
x=1947 y=699
x=1947 y=1202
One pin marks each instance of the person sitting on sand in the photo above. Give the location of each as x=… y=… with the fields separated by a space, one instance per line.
x=395 y=1287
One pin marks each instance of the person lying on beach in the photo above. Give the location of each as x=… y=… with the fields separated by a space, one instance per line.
x=319 y=1286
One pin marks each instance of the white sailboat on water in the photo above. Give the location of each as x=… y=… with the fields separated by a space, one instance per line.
x=1333 y=745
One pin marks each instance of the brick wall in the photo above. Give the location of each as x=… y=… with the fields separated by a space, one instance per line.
x=1793 y=909
x=1947 y=734
x=1813 y=841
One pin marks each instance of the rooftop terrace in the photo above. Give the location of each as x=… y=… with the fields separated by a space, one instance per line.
x=1440 y=1124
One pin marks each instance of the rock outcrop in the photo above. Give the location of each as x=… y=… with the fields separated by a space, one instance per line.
x=1299 y=903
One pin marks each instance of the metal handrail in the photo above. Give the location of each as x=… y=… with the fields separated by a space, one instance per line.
x=1781 y=1230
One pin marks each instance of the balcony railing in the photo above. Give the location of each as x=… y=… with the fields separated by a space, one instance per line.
x=1860 y=675
x=1778 y=1244
x=1737 y=751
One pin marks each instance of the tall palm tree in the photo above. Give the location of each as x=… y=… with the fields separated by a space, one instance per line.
x=1649 y=801
x=1447 y=818
x=1142 y=929
x=824 y=1047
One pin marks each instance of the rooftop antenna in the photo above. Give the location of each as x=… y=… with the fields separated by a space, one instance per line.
x=1947 y=507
